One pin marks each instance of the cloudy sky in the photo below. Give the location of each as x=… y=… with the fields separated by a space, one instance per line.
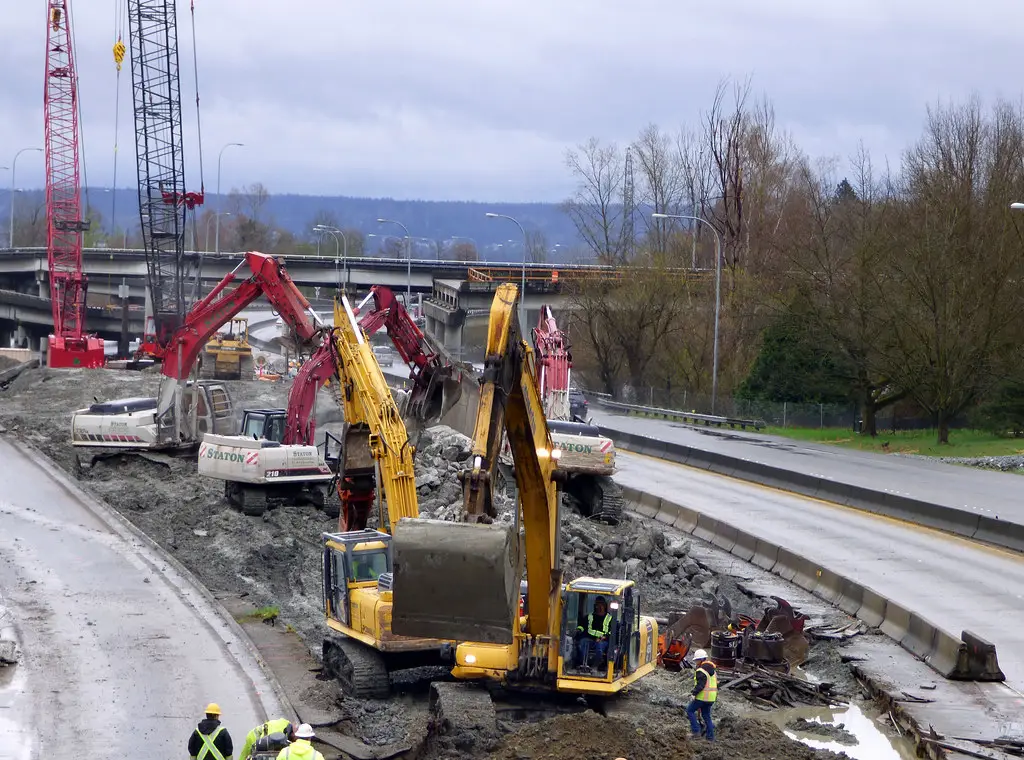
x=452 y=99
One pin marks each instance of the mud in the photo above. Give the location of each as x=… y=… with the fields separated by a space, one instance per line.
x=834 y=731
x=275 y=561
x=663 y=736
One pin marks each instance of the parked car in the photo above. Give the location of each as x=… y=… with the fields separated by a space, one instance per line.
x=577 y=405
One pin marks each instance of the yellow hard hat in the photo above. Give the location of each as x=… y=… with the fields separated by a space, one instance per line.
x=212 y=709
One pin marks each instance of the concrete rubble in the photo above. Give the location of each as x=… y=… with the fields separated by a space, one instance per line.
x=275 y=561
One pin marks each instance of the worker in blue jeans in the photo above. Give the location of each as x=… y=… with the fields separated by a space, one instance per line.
x=705 y=693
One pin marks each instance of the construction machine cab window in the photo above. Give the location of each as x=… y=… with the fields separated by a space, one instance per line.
x=265 y=425
x=369 y=565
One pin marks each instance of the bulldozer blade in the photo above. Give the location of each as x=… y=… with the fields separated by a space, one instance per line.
x=454 y=581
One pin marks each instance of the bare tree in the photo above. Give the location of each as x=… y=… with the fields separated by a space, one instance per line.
x=662 y=185
x=954 y=288
x=596 y=207
x=464 y=250
x=536 y=246
x=724 y=134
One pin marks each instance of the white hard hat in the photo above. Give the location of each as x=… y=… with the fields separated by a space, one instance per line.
x=700 y=654
x=304 y=731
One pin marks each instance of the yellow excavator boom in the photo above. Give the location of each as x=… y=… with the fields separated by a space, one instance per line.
x=461 y=581
x=367 y=401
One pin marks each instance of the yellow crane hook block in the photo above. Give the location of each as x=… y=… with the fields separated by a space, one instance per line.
x=457 y=581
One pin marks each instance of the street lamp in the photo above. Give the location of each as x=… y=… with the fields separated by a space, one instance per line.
x=408 y=256
x=216 y=214
x=522 y=292
x=718 y=295
x=14 y=168
x=216 y=243
x=334 y=233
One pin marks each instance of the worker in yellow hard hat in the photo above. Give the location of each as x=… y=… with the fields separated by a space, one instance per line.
x=210 y=740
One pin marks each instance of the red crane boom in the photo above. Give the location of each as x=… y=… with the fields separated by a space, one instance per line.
x=69 y=346
x=554 y=365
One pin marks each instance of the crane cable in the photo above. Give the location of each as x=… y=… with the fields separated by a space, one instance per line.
x=119 y=50
x=78 y=107
x=199 y=128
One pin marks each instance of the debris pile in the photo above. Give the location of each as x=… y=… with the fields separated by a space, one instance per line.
x=770 y=688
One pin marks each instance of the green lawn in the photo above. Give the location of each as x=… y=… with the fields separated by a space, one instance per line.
x=962 y=443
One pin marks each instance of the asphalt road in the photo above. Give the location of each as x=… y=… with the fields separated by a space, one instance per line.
x=995 y=494
x=120 y=653
x=953 y=582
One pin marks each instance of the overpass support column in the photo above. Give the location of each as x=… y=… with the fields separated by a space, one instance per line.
x=42 y=285
x=453 y=336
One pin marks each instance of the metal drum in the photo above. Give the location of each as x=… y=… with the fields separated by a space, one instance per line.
x=725 y=647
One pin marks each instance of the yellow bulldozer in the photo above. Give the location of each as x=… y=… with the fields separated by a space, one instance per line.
x=228 y=356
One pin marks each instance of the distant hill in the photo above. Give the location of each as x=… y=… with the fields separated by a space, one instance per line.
x=437 y=220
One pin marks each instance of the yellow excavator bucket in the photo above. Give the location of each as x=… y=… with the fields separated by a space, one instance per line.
x=456 y=581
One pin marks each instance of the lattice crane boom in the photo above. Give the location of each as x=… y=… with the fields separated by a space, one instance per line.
x=69 y=346
x=163 y=201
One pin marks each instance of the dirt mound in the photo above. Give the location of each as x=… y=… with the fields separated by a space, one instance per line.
x=748 y=739
x=588 y=736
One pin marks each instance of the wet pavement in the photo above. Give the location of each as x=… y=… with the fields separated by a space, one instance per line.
x=955 y=583
x=120 y=653
x=993 y=494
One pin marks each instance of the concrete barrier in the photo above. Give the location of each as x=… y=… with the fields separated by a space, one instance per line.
x=872 y=608
x=766 y=555
x=949 y=657
x=921 y=637
x=686 y=519
x=851 y=597
x=707 y=528
x=829 y=586
x=745 y=546
x=1001 y=533
x=982 y=665
x=648 y=505
x=786 y=564
x=897 y=621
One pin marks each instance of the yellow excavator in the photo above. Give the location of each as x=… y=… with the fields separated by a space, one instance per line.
x=462 y=581
x=360 y=649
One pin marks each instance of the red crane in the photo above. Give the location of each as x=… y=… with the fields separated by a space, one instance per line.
x=554 y=365
x=69 y=346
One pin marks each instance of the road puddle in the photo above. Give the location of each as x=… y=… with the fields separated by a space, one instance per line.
x=873 y=742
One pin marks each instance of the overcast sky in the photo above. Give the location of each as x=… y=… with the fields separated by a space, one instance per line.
x=452 y=99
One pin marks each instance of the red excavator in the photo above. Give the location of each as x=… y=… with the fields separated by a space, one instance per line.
x=185 y=411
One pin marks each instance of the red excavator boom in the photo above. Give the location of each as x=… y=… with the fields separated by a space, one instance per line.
x=69 y=346
x=434 y=389
x=554 y=364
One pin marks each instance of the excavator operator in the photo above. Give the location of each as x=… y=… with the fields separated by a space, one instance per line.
x=592 y=633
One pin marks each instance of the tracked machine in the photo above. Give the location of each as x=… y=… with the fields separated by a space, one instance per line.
x=587 y=457
x=461 y=581
x=186 y=410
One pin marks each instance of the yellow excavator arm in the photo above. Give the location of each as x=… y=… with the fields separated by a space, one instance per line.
x=367 y=401
x=461 y=581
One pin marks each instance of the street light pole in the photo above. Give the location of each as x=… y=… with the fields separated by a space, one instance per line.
x=14 y=168
x=220 y=201
x=335 y=232
x=718 y=295
x=408 y=256
x=522 y=290
x=206 y=243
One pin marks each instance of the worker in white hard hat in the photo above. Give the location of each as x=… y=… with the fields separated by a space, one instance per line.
x=705 y=694
x=301 y=748
x=210 y=740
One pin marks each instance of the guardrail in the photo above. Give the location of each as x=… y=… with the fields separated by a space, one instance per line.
x=690 y=418
x=966 y=657
x=961 y=522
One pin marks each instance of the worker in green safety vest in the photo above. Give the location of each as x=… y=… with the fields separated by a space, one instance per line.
x=210 y=740
x=593 y=632
x=301 y=747
x=275 y=726
x=705 y=693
